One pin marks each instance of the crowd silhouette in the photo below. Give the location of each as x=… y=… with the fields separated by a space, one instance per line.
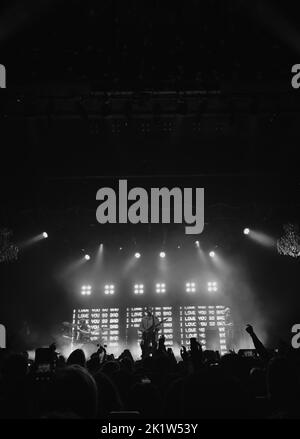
x=201 y=385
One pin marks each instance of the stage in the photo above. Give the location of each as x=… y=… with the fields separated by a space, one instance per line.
x=118 y=326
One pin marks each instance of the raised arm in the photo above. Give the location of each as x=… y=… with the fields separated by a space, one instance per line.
x=262 y=351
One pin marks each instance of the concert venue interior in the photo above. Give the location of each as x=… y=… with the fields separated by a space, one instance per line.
x=177 y=95
x=79 y=267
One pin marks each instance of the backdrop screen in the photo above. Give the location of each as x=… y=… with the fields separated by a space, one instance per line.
x=206 y=324
x=104 y=321
x=118 y=327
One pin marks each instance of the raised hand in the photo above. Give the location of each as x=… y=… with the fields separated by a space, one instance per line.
x=249 y=329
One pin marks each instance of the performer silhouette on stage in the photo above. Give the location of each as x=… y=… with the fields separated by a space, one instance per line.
x=83 y=332
x=149 y=327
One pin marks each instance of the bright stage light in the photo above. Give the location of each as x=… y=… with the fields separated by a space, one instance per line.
x=160 y=288
x=246 y=231
x=86 y=290
x=197 y=244
x=212 y=254
x=45 y=235
x=190 y=287
x=212 y=286
x=87 y=257
x=138 y=289
x=162 y=255
x=137 y=255
x=109 y=289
